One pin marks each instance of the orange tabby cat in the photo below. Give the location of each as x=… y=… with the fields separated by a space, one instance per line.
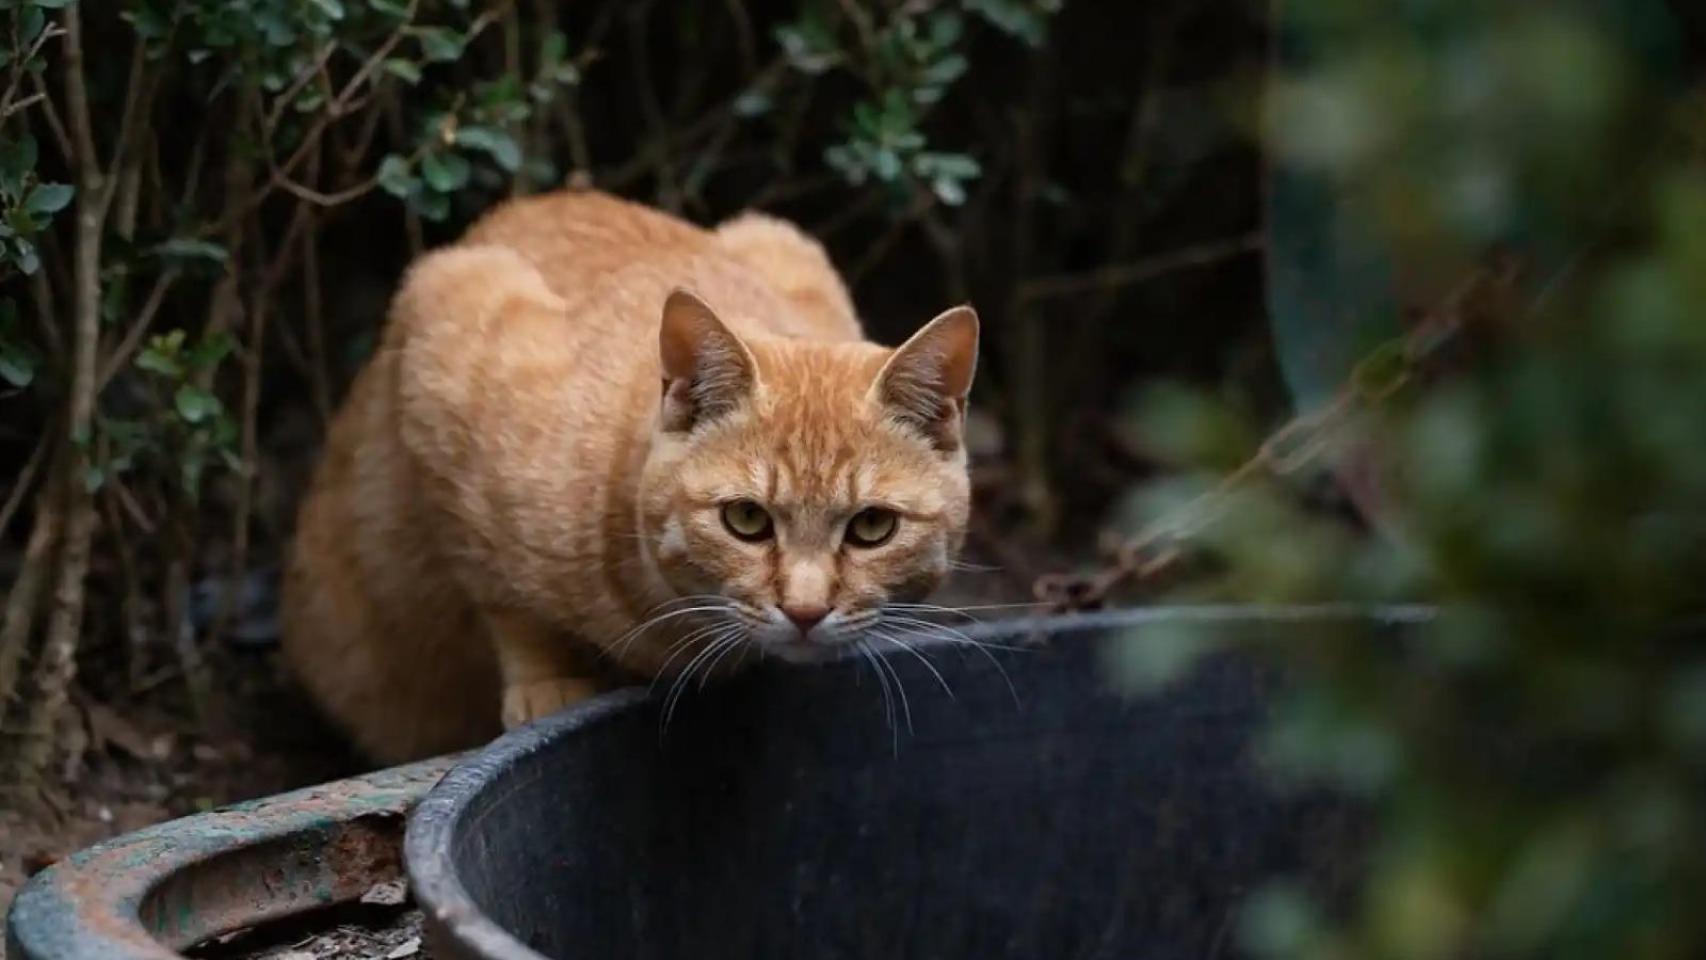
x=595 y=434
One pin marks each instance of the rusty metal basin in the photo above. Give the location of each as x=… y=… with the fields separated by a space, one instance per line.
x=151 y=894
x=1036 y=812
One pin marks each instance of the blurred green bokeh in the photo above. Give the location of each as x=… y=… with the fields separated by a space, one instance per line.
x=1536 y=757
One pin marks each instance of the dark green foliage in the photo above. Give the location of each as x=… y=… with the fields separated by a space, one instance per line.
x=1535 y=755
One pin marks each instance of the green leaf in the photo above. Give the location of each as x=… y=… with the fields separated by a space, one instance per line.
x=195 y=404
x=394 y=177
x=752 y=103
x=30 y=25
x=148 y=23
x=500 y=145
x=403 y=70
x=189 y=249
x=439 y=44
x=210 y=351
x=17 y=159
x=48 y=198
x=161 y=355
x=555 y=49
x=28 y=260
x=331 y=8
x=17 y=365
x=432 y=206
x=1018 y=18
x=445 y=172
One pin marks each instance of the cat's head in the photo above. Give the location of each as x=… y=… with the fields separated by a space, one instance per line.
x=800 y=486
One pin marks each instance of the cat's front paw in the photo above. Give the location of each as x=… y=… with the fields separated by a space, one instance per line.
x=526 y=702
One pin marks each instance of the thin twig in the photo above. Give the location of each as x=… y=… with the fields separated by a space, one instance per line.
x=50 y=113
x=121 y=352
x=21 y=485
x=1149 y=268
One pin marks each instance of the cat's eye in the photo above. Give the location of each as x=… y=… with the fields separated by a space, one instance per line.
x=871 y=527
x=747 y=520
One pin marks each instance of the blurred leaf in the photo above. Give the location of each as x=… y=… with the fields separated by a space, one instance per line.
x=192 y=249
x=195 y=404
x=445 y=172
x=210 y=352
x=1279 y=920
x=403 y=70
x=1147 y=658
x=394 y=177
x=17 y=160
x=752 y=103
x=500 y=145
x=438 y=44
x=1025 y=19
x=17 y=365
x=1182 y=427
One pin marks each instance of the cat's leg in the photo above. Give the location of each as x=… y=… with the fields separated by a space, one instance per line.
x=538 y=670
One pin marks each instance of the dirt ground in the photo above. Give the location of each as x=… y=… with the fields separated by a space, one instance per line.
x=136 y=764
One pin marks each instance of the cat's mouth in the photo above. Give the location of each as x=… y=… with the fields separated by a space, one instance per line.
x=798 y=649
x=833 y=638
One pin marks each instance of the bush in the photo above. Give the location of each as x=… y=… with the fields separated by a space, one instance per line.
x=1532 y=178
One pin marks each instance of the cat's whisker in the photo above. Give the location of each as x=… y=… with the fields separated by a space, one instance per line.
x=905 y=625
x=679 y=687
x=921 y=658
x=616 y=646
x=934 y=630
x=900 y=688
x=711 y=668
x=925 y=608
x=663 y=605
x=965 y=567
x=712 y=642
x=882 y=684
x=966 y=610
x=681 y=646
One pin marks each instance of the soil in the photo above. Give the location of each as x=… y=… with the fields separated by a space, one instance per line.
x=137 y=763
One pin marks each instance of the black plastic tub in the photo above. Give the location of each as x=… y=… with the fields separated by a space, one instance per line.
x=1036 y=813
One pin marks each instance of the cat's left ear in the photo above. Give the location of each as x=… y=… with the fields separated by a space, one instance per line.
x=926 y=382
x=707 y=370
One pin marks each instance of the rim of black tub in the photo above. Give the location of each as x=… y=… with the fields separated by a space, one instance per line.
x=455 y=922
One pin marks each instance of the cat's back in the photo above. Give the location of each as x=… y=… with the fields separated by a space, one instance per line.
x=579 y=239
x=612 y=262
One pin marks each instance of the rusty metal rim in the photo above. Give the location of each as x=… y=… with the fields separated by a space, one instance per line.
x=120 y=900
x=452 y=918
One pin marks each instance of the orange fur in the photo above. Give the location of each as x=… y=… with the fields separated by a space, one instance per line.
x=538 y=460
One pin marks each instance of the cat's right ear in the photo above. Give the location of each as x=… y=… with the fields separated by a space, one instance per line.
x=707 y=370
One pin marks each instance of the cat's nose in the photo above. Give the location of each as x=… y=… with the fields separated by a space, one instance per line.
x=805 y=616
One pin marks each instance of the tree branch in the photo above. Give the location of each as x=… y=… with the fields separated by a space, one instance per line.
x=1139 y=271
